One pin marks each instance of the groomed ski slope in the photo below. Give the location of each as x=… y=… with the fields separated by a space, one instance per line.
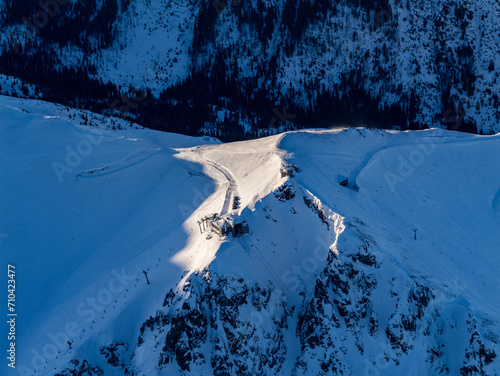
x=81 y=228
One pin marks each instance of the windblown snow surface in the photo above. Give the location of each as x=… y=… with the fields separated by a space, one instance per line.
x=396 y=273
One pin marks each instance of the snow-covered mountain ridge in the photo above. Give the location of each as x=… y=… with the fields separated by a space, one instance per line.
x=394 y=273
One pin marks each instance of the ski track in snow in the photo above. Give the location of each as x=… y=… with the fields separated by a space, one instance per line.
x=119 y=301
x=130 y=160
x=254 y=250
x=496 y=201
x=395 y=144
x=232 y=189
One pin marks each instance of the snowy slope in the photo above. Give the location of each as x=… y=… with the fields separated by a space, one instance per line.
x=329 y=279
x=73 y=220
x=152 y=48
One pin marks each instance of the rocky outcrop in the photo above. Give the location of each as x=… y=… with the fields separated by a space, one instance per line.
x=80 y=368
x=241 y=324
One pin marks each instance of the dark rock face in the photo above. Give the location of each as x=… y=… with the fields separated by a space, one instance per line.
x=226 y=314
x=477 y=356
x=339 y=307
x=316 y=207
x=245 y=325
x=362 y=315
x=82 y=368
x=115 y=354
x=285 y=192
x=340 y=318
